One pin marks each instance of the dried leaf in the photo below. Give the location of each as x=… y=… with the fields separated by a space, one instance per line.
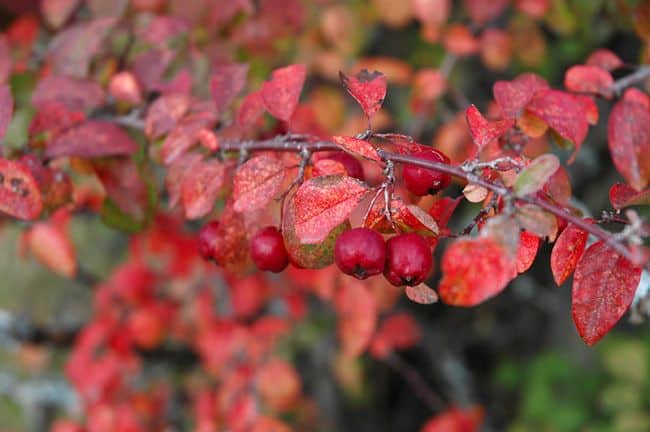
x=533 y=178
x=539 y=222
x=622 y=195
x=589 y=79
x=357 y=147
x=567 y=251
x=257 y=182
x=421 y=294
x=629 y=142
x=475 y=193
x=473 y=270
x=19 y=193
x=282 y=92
x=93 y=138
x=603 y=289
x=201 y=186
x=367 y=88
x=322 y=203
x=484 y=132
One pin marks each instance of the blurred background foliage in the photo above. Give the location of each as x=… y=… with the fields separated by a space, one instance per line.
x=518 y=355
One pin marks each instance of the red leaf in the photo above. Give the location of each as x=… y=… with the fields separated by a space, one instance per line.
x=257 y=182
x=589 y=107
x=226 y=83
x=185 y=134
x=589 y=79
x=621 y=195
x=481 y=11
x=201 y=185
x=398 y=331
x=513 y=96
x=50 y=244
x=250 y=110
x=72 y=49
x=357 y=309
x=19 y=193
x=635 y=95
x=75 y=94
x=421 y=294
x=567 y=251
x=323 y=167
x=357 y=147
x=5 y=60
x=629 y=142
x=527 y=251
x=604 y=58
x=322 y=203
x=455 y=420
x=282 y=92
x=603 y=289
x=6 y=108
x=175 y=174
x=164 y=113
x=124 y=185
x=473 y=270
x=57 y=12
x=484 y=132
x=432 y=12
x=460 y=40
x=93 y=138
x=368 y=89
x=443 y=209
x=232 y=246
x=561 y=112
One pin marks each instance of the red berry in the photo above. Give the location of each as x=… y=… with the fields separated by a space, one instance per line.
x=208 y=240
x=422 y=181
x=360 y=252
x=350 y=163
x=408 y=260
x=268 y=251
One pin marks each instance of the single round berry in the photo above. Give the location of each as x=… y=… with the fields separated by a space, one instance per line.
x=360 y=252
x=268 y=251
x=208 y=240
x=408 y=260
x=350 y=163
x=422 y=181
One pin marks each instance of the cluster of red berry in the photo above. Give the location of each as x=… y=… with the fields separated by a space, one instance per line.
x=404 y=259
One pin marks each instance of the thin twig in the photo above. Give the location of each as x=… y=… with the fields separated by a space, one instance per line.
x=621 y=84
x=417 y=383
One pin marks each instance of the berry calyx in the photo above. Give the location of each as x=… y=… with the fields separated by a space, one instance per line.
x=350 y=163
x=208 y=240
x=408 y=260
x=268 y=251
x=422 y=181
x=360 y=252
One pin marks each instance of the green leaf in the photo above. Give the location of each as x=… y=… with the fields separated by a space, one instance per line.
x=534 y=176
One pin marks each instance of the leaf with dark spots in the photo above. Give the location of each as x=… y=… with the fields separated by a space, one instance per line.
x=20 y=196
